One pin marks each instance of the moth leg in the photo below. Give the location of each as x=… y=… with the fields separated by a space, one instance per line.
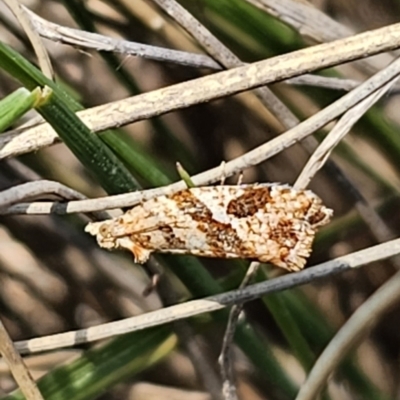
x=240 y=178
x=223 y=177
x=152 y=285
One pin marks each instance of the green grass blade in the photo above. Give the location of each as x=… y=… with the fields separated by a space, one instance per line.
x=16 y=104
x=88 y=147
x=98 y=369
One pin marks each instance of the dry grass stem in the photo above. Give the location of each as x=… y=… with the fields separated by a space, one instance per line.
x=43 y=188
x=313 y=25
x=225 y=359
x=29 y=190
x=341 y=129
x=95 y=41
x=305 y=18
x=251 y=158
x=212 y=303
x=225 y=57
x=17 y=367
x=211 y=87
x=351 y=333
x=43 y=58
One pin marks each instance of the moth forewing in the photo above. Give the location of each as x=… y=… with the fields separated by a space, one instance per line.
x=266 y=222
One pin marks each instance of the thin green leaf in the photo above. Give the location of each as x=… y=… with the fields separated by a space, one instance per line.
x=98 y=369
x=16 y=104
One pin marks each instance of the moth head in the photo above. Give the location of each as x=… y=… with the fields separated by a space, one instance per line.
x=317 y=214
x=102 y=231
x=320 y=217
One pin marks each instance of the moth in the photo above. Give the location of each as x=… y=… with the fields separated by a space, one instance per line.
x=267 y=222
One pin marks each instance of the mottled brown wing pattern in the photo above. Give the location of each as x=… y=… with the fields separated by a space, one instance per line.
x=266 y=222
